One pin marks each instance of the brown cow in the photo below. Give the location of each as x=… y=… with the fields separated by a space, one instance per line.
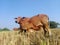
x=41 y=20
x=35 y=22
x=25 y=24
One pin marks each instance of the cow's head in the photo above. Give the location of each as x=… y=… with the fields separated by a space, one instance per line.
x=17 y=20
x=24 y=20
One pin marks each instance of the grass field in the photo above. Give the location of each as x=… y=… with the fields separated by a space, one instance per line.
x=29 y=38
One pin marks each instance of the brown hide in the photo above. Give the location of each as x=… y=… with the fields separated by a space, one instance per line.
x=25 y=24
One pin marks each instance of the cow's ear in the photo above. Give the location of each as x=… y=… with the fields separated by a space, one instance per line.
x=23 y=17
x=15 y=18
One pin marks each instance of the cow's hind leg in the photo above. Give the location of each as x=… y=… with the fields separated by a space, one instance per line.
x=46 y=29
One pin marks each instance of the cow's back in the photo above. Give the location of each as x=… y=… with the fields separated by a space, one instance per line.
x=36 y=20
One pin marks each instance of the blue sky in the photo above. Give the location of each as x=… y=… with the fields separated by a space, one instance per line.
x=9 y=9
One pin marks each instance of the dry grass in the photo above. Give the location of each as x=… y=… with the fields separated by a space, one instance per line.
x=29 y=38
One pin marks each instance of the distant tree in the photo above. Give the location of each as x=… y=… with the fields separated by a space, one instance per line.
x=0 y=29
x=53 y=24
x=5 y=29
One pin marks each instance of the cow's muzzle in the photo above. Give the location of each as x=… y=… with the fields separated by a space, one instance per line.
x=15 y=21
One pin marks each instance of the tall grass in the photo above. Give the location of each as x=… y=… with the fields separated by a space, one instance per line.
x=29 y=38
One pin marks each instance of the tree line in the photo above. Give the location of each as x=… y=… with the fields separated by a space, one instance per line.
x=53 y=24
x=4 y=29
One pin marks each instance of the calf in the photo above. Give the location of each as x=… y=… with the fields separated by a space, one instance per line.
x=35 y=22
